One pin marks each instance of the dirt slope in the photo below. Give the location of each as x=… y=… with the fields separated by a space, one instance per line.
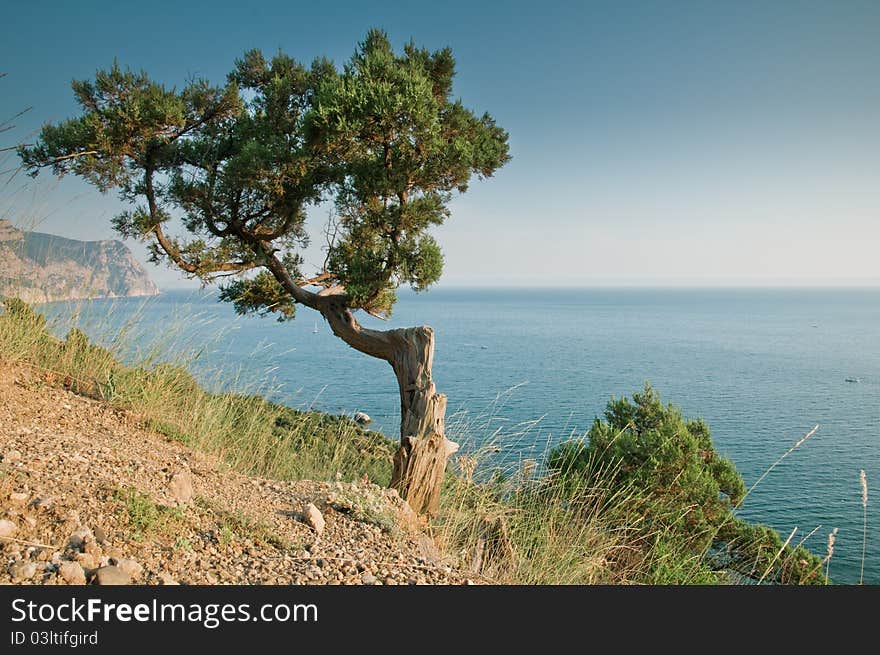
x=84 y=488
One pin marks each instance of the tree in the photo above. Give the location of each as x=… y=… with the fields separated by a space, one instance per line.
x=688 y=492
x=240 y=164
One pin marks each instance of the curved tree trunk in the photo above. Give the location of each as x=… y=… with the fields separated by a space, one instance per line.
x=420 y=462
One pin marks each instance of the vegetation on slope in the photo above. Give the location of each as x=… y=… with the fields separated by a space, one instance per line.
x=644 y=498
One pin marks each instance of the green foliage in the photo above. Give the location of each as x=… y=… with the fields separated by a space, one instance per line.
x=260 y=294
x=688 y=491
x=363 y=506
x=144 y=515
x=235 y=525
x=403 y=145
x=243 y=161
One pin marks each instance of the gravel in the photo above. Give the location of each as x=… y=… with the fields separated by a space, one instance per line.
x=170 y=515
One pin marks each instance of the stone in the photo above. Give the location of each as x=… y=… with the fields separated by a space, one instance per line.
x=168 y=580
x=7 y=528
x=92 y=548
x=111 y=575
x=44 y=502
x=22 y=570
x=86 y=560
x=130 y=567
x=18 y=497
x=100 y=535
x=72 y=573
x=368 y=578
x=180 y=487
x=11 y=456
x=114 y=553
x=79 y=536
x=313 y=518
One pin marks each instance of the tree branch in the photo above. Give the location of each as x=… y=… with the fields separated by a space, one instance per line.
x=72 y=155
x=333 y=306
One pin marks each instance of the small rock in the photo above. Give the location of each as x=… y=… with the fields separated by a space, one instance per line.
x=130 y=567
x=22 y=570
x=44 y=502
x=11 y=456
x=168 y=580
x=7 y=528
x=92 y=548
x=72 y=573
x=87 y=560
x=78 y=538
x=313 y=518
x=180 y=487
x=100 y=535
x=30 y=520
x=111 y=575
x=18 y=497
x=114 y=553
x=368 y=578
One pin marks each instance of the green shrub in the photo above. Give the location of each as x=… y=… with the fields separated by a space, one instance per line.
x=687 y=490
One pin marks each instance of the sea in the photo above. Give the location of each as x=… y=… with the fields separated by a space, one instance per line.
x=524 y=369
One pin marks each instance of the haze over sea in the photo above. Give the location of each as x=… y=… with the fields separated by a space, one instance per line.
x=528 y=368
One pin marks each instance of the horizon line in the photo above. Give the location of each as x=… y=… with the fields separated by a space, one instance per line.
x=868 y=284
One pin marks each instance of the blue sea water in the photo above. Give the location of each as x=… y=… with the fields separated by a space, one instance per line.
x=528 y=368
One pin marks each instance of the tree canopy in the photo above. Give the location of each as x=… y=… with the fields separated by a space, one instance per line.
x=240 y=164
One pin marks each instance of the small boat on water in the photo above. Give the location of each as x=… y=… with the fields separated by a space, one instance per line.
x=853 y=379
x=315 y=331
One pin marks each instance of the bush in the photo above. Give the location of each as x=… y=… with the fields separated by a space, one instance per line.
x=688 y=492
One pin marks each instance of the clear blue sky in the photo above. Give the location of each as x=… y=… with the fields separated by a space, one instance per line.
x=653 y=142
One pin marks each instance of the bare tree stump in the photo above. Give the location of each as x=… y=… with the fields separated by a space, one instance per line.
x=420 y=462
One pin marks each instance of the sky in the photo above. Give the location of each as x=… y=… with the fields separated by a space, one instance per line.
x=654 y=143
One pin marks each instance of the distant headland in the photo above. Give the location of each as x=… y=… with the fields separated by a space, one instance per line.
x=45 y=268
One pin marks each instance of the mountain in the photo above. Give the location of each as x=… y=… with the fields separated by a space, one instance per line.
x=40 y=267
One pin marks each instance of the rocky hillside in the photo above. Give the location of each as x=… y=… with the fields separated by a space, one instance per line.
x=88 y=495
x=43 y=268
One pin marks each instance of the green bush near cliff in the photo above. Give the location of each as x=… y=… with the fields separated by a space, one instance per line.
x=688 y=492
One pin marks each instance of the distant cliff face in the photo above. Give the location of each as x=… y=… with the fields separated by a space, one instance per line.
x=43 y=268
